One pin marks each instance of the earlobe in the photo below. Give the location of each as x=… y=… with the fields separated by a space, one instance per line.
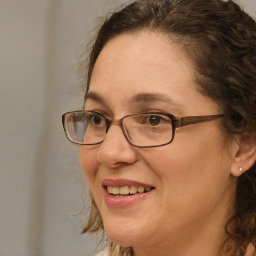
x=245 y=156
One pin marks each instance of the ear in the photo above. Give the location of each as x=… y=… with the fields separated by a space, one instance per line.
x=245 y=155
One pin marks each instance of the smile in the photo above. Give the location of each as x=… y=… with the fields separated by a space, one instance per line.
x=127 y=190
x=125 y=193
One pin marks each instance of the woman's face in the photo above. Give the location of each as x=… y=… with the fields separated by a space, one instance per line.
x=191 y=181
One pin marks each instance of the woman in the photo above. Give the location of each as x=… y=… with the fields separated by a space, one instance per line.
x=168 y=129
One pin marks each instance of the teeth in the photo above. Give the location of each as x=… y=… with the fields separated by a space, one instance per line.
x=126 y=190
x=133 y=189
x=141 y=189
x=109 y=189
x=115 y=190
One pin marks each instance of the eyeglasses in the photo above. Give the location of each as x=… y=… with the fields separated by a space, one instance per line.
x=151 y=129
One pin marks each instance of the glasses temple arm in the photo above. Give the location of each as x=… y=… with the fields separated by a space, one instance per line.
x=183 y=121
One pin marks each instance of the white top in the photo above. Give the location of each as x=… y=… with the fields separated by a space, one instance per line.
x=103 y=253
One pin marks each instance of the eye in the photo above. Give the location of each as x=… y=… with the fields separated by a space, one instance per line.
x=95 y=119
x=154 y=120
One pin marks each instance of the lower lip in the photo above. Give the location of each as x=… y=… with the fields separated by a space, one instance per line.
x=124 y=201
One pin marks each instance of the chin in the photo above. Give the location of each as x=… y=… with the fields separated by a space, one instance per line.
x=124 y=235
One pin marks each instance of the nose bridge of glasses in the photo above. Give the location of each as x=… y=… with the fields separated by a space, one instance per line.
x=117 y=122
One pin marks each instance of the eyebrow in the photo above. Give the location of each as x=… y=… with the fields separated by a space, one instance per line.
x=138 y=98
x=95 y=97
x=154 y=97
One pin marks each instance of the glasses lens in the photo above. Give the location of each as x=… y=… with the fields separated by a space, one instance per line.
x=148 y=129
x=86 y=128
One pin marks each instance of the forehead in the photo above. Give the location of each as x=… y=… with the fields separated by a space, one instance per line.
x=142 y=52
x=143 y=62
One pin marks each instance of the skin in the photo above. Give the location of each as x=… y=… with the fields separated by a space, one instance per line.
x=193 y=176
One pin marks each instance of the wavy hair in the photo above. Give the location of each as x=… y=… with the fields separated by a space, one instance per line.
x=220 y=39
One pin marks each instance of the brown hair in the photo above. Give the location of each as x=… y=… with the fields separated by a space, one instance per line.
x=220 y=39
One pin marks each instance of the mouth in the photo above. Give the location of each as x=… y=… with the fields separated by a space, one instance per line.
x=125 y=193
x=127 y=190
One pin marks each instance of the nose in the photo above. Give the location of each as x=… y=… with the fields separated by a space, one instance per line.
x=115 y=150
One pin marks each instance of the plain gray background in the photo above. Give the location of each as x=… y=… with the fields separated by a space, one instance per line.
x=42 y=188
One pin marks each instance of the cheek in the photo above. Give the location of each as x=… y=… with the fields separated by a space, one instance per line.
x=191 y=170
x=89 y=164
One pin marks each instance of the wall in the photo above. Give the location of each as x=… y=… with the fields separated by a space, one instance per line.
x=41 y=184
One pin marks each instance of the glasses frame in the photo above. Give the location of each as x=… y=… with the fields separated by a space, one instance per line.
x=176 y=123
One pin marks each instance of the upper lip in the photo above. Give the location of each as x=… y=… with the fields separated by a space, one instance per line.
x=123 y=182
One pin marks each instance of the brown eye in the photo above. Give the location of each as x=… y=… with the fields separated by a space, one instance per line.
x=154 y=120
x=95 y=120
